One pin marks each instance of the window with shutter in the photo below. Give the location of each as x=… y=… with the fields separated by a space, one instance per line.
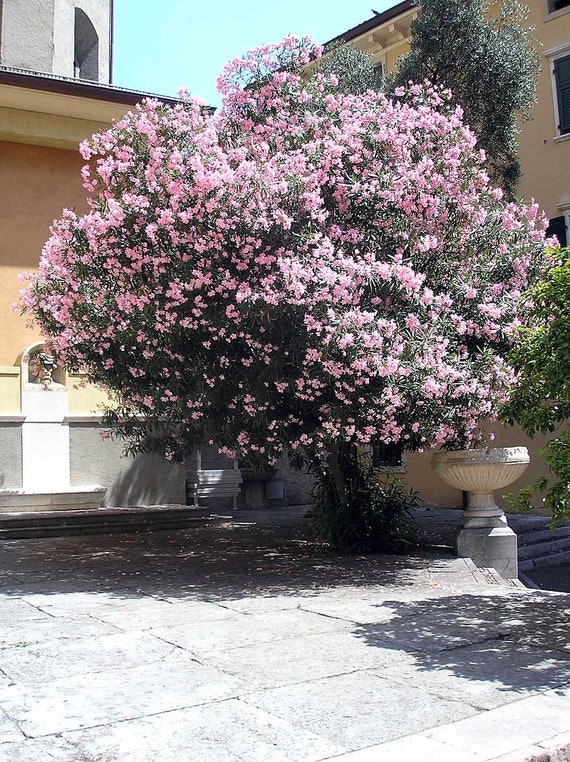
x=557 y=227
x=562 y=74
x=389 y=458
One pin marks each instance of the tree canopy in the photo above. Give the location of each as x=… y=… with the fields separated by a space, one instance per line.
x=304 y=270
x=540 y=402
x=486 y=56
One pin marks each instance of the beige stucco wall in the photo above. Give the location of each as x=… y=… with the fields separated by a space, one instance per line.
x=27 y=40
x=10 y=397
x=99 y=13
x=10 y=453
x=84 y=398
x=144 y=480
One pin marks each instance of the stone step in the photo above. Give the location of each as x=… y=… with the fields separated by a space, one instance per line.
x=543 y=535
x=551 y=559
x=545 y=548
x=490 y=576
x=27 y=524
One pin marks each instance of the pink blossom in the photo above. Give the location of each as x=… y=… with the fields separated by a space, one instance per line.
x=302 y=266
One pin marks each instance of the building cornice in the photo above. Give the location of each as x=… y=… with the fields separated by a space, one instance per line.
x=41 y=109
x=376 y=21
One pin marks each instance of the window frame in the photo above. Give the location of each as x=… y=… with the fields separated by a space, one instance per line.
x=564 y=220
x=549 y=13
x=384 y=466
x=554 y=55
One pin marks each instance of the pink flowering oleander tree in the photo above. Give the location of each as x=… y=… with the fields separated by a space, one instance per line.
x=304 y=272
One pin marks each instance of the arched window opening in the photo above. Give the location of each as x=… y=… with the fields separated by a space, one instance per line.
x=86 y=63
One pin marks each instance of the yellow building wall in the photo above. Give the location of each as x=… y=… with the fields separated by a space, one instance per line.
x=36 y=183
x=434 y=491
x=545 y=159
x=10 y=397
x=84 y=399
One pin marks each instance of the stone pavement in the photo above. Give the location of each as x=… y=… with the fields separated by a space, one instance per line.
x=249 y=641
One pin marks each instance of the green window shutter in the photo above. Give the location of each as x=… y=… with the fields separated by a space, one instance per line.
x=562 y=73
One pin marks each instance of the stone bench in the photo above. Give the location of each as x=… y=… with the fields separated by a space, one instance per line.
x=212 y=483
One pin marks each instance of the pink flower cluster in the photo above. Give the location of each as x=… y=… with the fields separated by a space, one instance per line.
x=301 y=267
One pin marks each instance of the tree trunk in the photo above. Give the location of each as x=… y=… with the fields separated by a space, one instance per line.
x=337 y=460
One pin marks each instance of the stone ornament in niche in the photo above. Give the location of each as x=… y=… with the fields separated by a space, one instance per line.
x=42 y=370
x=41 y=367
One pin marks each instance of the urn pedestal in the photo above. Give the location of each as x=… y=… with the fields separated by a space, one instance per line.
x=484 y=535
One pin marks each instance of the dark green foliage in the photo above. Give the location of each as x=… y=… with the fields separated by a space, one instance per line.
x=489 y=64
x=541 y=400
x=361 y=509
x=352 y=67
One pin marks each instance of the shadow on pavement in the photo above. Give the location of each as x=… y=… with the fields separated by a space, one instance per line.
x=518 y=642
x=217 y=562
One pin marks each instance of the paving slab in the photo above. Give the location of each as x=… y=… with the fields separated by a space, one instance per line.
x=14 y=632
x=248 y=630
x=226 y=731
x=251 y=641
x=433 y=625
x=358 y=709
x=85 y=700
x=58 y=659
x=510 y=727
x=410 y=749
x=266 y=666
x=49 y=749
x=136 y=611
x=485 y=675
x=514 y=733
x=9 y=730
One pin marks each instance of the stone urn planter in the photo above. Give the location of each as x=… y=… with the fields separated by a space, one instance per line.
x=484 y=535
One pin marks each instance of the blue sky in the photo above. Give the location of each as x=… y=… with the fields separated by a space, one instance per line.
x=161 y=46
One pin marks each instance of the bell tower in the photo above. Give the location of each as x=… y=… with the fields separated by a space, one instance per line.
x=67 y=38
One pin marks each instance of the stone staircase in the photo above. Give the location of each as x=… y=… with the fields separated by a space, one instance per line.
x=539 y=546
x=59 y=523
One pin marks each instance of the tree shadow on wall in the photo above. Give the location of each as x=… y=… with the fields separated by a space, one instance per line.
x=148 y=480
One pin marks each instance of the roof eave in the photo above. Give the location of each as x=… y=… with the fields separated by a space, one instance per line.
x=76 y=87
x=375 y=21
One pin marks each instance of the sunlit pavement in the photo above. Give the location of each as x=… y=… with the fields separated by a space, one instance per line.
x=249 y=641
